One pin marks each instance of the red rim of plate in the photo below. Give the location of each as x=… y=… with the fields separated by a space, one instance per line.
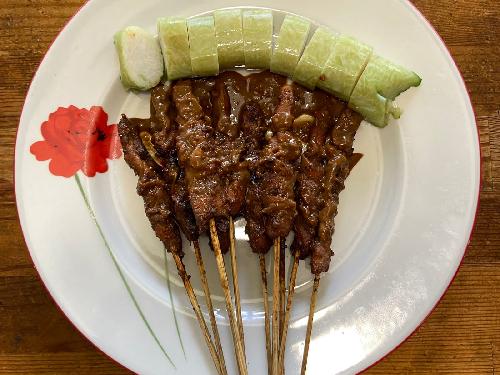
x=419 y=14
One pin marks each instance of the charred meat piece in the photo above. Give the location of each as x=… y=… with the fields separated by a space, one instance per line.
x=222 y=226
x=338 y=152
x=193 y=135
x=151 y=185
x=194 y=126
x=264 y=88
x=276 y=170
x=162 y=133
x=182 y=209
x=253 y=132
x=215 y=176
x=229 y=96
x=260 y=242
x=283 y=118
x=309 y=185
x=163 y=138
x=216 y=148
x=315 y=198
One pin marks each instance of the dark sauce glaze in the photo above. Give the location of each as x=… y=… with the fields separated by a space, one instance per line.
x=253 y=145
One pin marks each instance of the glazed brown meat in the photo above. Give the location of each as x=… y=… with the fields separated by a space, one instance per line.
x=263 y=98
x=317 y=113
x=338 y=152
x=254 y=145
x=163 y=134
x=210 y=151
x=222 y=227
x=156 y=136
x=309 y=186
x=324 y=166
x=254 y=132
x=182 y=209
x=277 y=169
x=152 y=185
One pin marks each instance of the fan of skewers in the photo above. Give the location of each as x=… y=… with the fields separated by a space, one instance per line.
x=253 y=147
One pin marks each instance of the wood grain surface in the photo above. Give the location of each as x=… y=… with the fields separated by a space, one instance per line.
x=461 y=336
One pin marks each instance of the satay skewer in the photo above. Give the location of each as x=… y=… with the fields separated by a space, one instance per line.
x=238 y=347
x=267 y=322
x=234 y=269
x=275 y=317
x=152 y=185
x=310 y=324
x=208 y=300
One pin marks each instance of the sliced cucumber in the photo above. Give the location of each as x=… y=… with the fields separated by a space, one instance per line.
x=389 y=79
x=344 y=66
x=229 y=35
x=141 y=64
x=372 y=106
x=289 y=45
x=258 y=37
x=173 y=36
x=203 y=46
x=381 y=82
x=312 y=62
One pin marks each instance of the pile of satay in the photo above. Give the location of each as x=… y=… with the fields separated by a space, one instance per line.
x=254 y=147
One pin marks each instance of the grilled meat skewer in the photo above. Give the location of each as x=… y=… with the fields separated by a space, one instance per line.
x=339 y=151
x=163 y=134
x=153 y=186
x=255 y=146
x=209 y=153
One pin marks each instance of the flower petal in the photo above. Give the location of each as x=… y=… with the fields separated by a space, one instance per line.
x=94 y=163
x=60 y=166
x=77 y=138
x=42 y=150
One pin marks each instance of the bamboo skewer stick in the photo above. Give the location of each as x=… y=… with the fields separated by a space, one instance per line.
x=196 y=307
x=267 y=323
x=276 y=290
x=234 y=271
x=309 y=324
x=208 y=300
x=238 y=347
x=282 y=287
x=282 y=298
x=291 y=292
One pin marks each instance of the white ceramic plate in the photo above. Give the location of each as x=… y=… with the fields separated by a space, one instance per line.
x=404 y=220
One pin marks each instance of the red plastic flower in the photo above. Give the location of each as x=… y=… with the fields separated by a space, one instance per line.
x=77 y=139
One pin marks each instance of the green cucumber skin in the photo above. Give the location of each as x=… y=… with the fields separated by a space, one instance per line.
x=289 y=45
x=125 y=78
x=258 y=38
x=373 y=108
x=203 y=46
x=234 y=37
x=229 y=35
x=311 y=64
x=392 y=79
x=203 y=66
x=173 y=36
x=344 y=66
x=381 y=82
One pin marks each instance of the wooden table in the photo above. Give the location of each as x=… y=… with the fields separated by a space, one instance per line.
x=461 y=336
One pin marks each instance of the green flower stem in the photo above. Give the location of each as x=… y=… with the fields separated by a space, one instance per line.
x=120 y=272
